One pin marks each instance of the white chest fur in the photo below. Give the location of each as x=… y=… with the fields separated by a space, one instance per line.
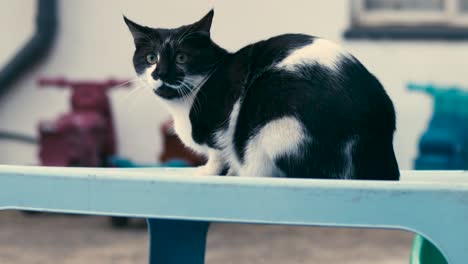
x=179 y=108
x=180 y=112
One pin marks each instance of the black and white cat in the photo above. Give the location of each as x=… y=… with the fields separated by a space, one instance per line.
x=290 y=106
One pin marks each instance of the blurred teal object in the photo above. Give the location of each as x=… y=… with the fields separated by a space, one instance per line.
x=424 y=252
x=443 y=146
x=120 y=162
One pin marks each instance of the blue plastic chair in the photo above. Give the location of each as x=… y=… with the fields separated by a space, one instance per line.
x=180 y=206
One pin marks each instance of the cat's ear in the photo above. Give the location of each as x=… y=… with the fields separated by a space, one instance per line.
x=138 y=32
x=204 y=24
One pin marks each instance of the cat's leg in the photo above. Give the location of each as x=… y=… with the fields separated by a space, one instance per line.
x=258 y=163
x=214 y=166
x=231 y=172
x=260 y=166
x=282 y=137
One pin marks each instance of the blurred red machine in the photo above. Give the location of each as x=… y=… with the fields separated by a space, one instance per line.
x=174 y=149
x=85 y=136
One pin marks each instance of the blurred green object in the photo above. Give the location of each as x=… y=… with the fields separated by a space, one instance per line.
x=443 y=146
x=424 y=252
x=447 y=99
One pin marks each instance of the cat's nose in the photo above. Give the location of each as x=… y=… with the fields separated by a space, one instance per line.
x=155 y=75
x=159 y=73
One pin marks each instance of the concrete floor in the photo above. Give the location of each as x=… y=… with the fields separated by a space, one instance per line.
x=50 y=239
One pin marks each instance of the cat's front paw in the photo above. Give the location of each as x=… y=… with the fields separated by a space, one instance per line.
x=214 y=166
x=206 y=170
x=231 y=172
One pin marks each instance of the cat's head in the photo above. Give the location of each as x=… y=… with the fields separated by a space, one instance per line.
x=175 y=62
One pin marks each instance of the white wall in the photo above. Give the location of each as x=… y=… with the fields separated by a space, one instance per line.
x=93 y=43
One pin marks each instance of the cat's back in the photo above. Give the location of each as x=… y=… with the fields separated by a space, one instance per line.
x=289 y=51
x=317 y=86
x=304 y=70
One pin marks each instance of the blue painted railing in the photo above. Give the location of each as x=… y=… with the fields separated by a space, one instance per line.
x=180 y=206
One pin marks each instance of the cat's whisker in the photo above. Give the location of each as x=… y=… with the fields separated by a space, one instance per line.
x=196 y=106
x=186 y=83
x=130 y=94
x=186 y=89
x=185 y=34
x=125 y=83
x=188 y=35
x=145 y=36
x=196 y=102
x=190 y=79
x=179 y=40
x=129 y=105
x=183 y=87
x=180 y=93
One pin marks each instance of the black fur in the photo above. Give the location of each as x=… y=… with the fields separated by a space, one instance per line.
x=334 y=106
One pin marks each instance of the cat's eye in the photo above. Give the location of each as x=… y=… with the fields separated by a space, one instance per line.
x=181 y=58
x=151 y=58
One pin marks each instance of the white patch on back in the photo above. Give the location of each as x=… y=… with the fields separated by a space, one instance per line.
x=279 y=138
x=348 y=159
x=321 y=51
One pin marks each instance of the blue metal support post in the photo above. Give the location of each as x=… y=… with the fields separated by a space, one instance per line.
x=177 y=241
